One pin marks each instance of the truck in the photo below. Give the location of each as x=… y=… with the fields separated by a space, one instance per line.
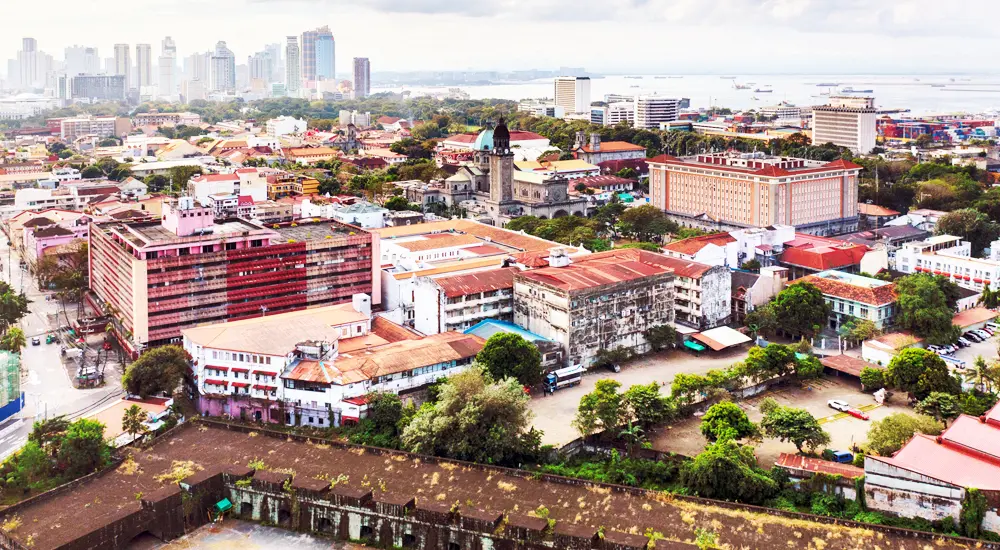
x=563 y=378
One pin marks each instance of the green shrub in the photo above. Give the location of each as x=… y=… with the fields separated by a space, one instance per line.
x=823 y=504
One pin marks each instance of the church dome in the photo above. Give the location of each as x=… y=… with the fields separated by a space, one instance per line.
x=484 y=142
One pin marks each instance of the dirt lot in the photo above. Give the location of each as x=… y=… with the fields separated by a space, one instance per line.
x=55 y=522
x=554 y=413
x=685 y=438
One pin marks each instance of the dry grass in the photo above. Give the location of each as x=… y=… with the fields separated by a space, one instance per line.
x=129 y=467
x=11 y=524
x=179 y=470
x=447 y=466
x=435 y=478
x=506 y=487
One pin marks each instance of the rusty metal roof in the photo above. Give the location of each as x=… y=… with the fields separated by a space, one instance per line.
x=481 y=281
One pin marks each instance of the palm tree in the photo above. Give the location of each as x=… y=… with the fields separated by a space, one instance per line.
x=982 y=374
x=13 y=340
x=133 y=421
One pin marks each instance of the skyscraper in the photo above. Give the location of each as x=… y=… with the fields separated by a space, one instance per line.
x=31 y=74
x=277 y=67
x=168 y=68
x=82 y=60
x=293 y=71
x=572 y=93
x=318 y=53
x=261 y=66
x=223 y=69
x=144 y=65
x=123 y=64
x=362 y=77
x=196 y=66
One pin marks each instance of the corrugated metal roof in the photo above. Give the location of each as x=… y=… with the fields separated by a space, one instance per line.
x=481 y=281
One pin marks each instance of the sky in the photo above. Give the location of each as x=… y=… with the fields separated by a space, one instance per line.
x=604 y=36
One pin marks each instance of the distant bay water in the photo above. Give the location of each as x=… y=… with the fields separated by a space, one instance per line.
x=921 y=94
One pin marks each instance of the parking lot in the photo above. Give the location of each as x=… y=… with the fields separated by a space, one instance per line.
x=554 y=413
x=987 y=349
x=685 y=438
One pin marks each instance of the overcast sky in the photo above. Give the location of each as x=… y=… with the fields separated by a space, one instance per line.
x=787 y=36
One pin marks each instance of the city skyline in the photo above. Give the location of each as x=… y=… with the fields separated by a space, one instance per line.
x=869 y=37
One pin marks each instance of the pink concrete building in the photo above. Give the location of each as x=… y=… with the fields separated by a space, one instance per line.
x=736 y=190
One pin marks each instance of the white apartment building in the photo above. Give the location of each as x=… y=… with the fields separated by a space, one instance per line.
x=951 y=257
x=651 y=110
x=315 y=365
x=72 y=128
x=244 y=182
x=848 y=121
x=144 y=65
x=168 y=69
x=783 y=113
x=361 y=120
x=461 y=301
x=620 y=112
x=293 y=67
x=222 y=69
x=572 y=93
x=285 y=125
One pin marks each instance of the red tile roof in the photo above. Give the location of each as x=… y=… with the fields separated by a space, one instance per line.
x=773 y=171
x=876 y=296
x=614 y=147
x=967 y=454
x=816 y=465
x=875 y=210
x=599 y=182
x=842 y=164
x=973 y=316
x=216 y=177
x=824 y=258
x=603 y=268
x=388 y=119
x=482 y=281
x=695 y=244
x=847 y=364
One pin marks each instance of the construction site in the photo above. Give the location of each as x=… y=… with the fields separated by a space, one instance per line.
x=206 y=472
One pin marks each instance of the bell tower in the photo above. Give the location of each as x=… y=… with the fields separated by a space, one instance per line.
x=501 y=165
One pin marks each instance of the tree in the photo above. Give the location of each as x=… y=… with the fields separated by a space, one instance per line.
x=971 y=225
x=600 y=409
x=727 y=420
x=646 y=223
x=156 y=371
x=924 y=309
x=808 y=367
x=13 y=340
x=872 y=379
x=632 y=434
x=134 y=421
x=940 y=406
x=801 y=309
x=763 y=320
x=726 y=470
x=794 y=425
x=989 y=298
x=645 y=405
x=397 y=204
x=888 y=435
x=48 y=433
x=859 y=330
x=179 y=176
x=477 y=419
x=509 y=355
x=13 y=306
x=661 y=337
x=384 y=422
x=751 y=265
x=983 y=375
x=919 y=372
x=83 y=449
x=156 y=183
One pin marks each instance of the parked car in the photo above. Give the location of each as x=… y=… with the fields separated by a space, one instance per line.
x=35 y=341
x=843 y=457
x=993 y=326
x=858 y=413
x=839 y=405
x=963 y=342
x=972 y=336
x=614 y=367
x=983 y=334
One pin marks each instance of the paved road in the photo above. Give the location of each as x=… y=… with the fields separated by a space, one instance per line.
x=46 y=384
x=554 y=413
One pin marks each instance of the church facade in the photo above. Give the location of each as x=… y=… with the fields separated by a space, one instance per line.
x=505 y=193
